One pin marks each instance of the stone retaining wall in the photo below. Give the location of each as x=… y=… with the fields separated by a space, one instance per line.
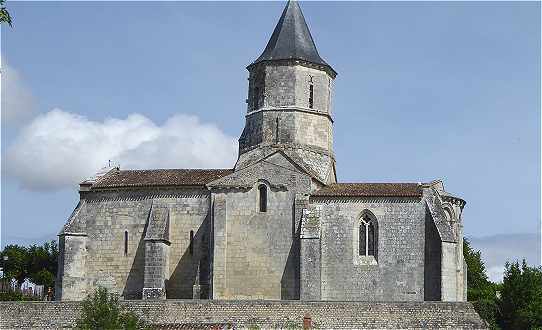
x=176 y=314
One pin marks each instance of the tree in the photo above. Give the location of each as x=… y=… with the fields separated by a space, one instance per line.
x=5 y=17
x=521 y=296
x=480 y=290
x=478 y=285
x=38 y=264
x=16 y=265
x=101 y=310
x=43 y=263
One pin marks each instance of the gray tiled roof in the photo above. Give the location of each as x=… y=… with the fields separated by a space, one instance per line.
x=291 y=39
x=160 y=177
x=371 y=190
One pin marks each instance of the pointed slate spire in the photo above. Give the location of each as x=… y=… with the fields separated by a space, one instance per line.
x=291 y=39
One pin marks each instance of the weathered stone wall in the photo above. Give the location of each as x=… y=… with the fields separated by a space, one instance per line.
x=287 y=126
x=266 y=315
x=280 y=115
x=287 y=84
x=445 y=212
x=189 y=213
x=313 y=160
x=256 y=254
x=71 y=278
x=397 y=274
x=106 y=218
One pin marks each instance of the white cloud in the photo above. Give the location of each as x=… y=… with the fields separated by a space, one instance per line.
x=17 y=101
x=496 y=250
x=495 y=273
x=59 y=149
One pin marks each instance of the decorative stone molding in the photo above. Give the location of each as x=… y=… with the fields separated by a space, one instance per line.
x=290 y=108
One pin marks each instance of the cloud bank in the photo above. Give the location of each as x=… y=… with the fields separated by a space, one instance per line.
x=58 y=149
x=498 y=249
x=17 y=101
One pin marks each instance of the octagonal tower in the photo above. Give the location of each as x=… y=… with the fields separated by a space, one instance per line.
x=289 y=101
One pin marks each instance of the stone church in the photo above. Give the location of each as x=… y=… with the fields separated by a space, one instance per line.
x=277 y=225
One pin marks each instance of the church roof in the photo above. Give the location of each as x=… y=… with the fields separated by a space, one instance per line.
x=162 y=177
x=291 y=39
x=371 y=190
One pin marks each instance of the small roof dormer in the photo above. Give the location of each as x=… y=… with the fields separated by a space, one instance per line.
x=292 y=40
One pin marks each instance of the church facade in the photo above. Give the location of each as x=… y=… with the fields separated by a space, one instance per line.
x=277 y=225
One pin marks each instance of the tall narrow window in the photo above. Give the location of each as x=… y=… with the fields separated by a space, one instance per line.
x=362 y=239
x=125 y=242
x=191 y=244
x=367 y=236
x=262 y=189
x=256 y=98
x=370 y=239
x=311 y=94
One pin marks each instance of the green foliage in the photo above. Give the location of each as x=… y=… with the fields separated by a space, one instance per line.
x=521 y=297
x=43 y=263
x=44 y=277
x=17 y=264
x=480 y=290
x=37 y=263
x=102 y=310
x=478 y=285
x=519 y=303
x=488 y=309
x=15 y=296
x=5 y=17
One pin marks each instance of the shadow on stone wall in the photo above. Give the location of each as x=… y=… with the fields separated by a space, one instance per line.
x=182 y=279
x=135 y=280
x=289 y=283
x=432 y=260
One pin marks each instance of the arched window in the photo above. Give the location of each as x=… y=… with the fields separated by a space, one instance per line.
x=368 y=235
x=262 y=192
x=125 y=242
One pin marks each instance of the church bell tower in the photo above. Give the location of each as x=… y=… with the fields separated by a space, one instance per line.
x=289 y=101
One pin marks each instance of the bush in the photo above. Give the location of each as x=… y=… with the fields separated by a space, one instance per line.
x=16 y=296
x=102 y=310
x=488 y=310
x=521 y=302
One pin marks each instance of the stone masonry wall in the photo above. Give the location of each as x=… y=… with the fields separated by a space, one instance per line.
x=287 y=84
x=106 y=218
x=264 y=314
x=257 y=253
x=289 y=127
x=284 y=114
x=397 y=274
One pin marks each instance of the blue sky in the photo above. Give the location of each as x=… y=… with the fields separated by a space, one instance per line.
x=425 y=90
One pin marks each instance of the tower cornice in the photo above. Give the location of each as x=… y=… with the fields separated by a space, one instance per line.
x=295 y=61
